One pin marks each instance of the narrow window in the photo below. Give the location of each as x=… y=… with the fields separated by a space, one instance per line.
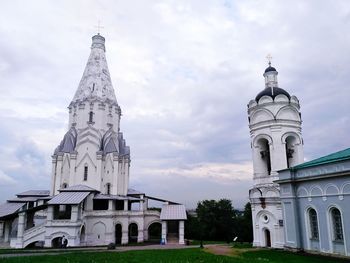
x=313 y=224
x=337 y=225
x=64 y=185
x=85 y=173
x=265 y=154
x=108 y=190
x=91 y=116
x=290 y=141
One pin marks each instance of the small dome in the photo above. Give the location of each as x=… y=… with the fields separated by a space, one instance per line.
x=270 y=69
x=68 y=143
x=271 y=92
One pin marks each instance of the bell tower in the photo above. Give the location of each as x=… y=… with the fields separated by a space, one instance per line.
x=276 y=142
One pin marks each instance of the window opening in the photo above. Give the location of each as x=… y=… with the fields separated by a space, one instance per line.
x=337 y=225
x=265 y=155
x=85 y=173
x=91 y=116
x=313 y=224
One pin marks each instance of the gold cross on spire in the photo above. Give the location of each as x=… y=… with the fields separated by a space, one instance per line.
x=269 y=58
x=99 y=27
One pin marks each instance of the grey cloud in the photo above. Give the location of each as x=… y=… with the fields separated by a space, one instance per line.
x=183 y=73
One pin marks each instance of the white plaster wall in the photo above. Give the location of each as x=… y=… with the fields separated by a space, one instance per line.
x=273 y=120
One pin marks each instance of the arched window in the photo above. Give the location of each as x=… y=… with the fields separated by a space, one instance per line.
x=337 y=225
x=86 y=171
x=290 y=152
x=313 y=224
x=91 y=116
x=108 y=189
x=265 y=154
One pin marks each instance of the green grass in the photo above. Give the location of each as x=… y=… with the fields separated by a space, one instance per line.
x=242 y=245
x=275 y=256
x=169 y=256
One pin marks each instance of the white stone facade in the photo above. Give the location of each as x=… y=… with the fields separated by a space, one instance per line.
x=276 y=142
x=90 y=202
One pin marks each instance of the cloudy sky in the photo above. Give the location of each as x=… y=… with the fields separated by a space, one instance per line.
x=183 y=72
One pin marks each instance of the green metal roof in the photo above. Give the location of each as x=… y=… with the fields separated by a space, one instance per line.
x=331 y=158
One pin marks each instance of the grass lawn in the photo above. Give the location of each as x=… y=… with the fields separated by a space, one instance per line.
x=179 y=255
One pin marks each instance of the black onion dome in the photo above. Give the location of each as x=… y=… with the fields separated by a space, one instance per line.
x=268 y=92
x=270 y=69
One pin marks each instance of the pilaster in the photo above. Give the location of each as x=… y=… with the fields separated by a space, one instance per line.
x=182 y=232
x=164 y=231
x=20 y=229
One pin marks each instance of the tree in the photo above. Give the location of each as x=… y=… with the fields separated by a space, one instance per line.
x=244 y=225
x=216 y=219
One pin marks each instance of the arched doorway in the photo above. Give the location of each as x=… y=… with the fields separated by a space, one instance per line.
x=155 y=232
x=133 y=233
x=118 y=234
x=82 y=236
x=267 y=238
x=56 y=242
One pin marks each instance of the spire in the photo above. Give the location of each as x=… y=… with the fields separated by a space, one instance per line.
x=96 y=82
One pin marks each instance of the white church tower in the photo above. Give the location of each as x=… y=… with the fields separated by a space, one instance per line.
x=276 y=142
x=93 y=151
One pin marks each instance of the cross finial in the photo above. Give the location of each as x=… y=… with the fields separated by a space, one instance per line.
x=99 y=27
x=269 y=58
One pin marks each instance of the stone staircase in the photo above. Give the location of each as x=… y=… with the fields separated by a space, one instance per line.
x=34 y=234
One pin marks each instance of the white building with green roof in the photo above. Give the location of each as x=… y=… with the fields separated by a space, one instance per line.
x=315 y=198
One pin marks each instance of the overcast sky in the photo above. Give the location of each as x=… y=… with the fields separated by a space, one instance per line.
x=183 y=73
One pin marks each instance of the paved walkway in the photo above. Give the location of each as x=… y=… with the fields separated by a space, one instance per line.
x=41 y=252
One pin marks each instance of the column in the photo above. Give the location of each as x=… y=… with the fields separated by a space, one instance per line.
x=20 y=230
x=2 y=223
x=164 y=231
x=73 y=161
x=7 y=226
x=99 y=167
x=74 y=213
x=140 y=236
x=125 y=205
x=145 y=204
x=125 y=237
x=49 y=216
x=58 y=172
x=111 y=205
x=141 y=205
x=182 y=232
x=53 y=175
